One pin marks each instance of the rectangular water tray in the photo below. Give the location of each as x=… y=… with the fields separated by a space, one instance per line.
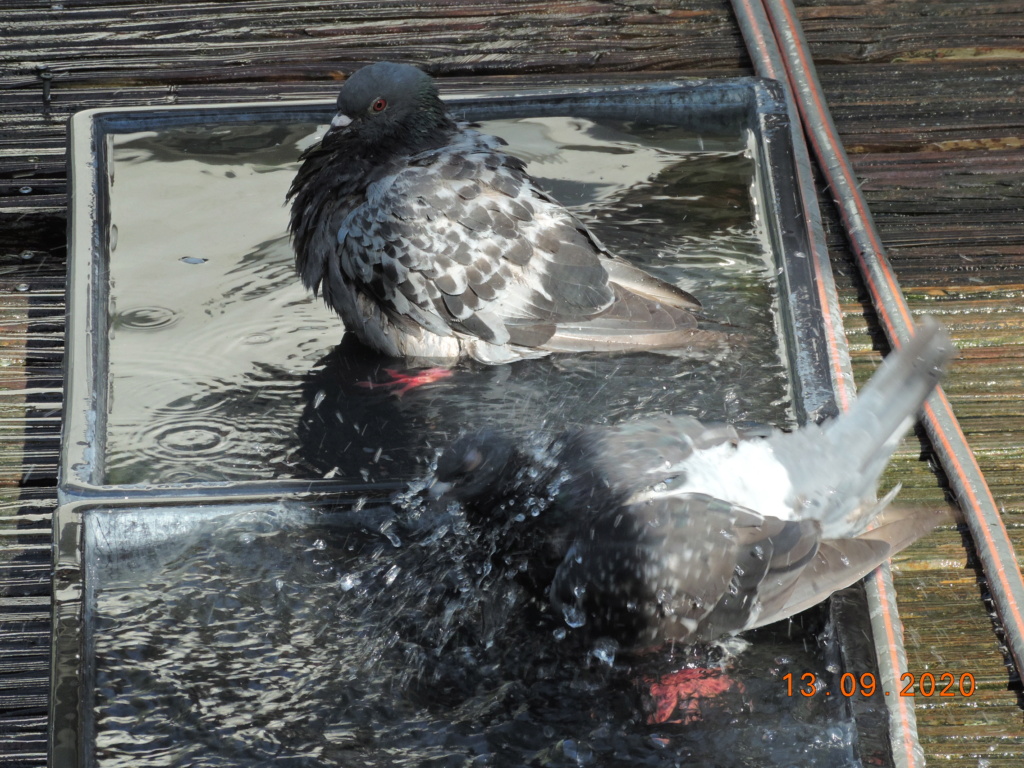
x=230 y=587
x=197 y=361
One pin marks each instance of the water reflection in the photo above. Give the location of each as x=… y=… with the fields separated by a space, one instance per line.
x=215 y=346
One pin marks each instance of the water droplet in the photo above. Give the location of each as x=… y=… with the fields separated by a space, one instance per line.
x=193 y=260
x=604 y=651
x=318 y=398
x=319 y=544
x=146 y=318
x=112 y=238
x=659 y=742
x=26 y=255
x=560 y=633
x=391 y=575
x=574 y=616
x=579 y=590
x=21 y=287
x=578 y=752
x=257 y=338
x=26 y=190
x=348 y=582
x=392 y=537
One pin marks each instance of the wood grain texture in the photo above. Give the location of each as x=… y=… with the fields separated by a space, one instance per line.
x=928 y=97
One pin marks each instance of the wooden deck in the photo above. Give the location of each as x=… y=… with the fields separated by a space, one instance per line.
x=928 y=97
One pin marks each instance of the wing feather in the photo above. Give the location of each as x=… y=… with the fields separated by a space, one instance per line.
x=461 y=240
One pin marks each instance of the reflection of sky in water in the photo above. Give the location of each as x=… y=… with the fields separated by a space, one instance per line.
x=273 y=634
x=217 y=353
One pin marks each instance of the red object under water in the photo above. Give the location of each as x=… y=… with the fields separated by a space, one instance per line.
x=402 y=382
x=678 y=696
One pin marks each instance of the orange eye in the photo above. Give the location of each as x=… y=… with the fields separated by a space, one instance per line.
x=379 y=105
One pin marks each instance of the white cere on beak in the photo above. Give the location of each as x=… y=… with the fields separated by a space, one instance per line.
x=341 y=121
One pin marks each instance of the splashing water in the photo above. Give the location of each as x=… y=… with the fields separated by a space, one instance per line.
x=285 y=635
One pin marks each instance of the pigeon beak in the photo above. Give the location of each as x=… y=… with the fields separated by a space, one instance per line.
x=340 y=121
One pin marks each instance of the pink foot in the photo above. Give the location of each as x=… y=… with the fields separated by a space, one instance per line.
x=402 y=382
x=681 y=694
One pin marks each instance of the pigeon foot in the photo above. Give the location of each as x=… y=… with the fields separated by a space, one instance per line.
x=401 y=383
x=679 y=696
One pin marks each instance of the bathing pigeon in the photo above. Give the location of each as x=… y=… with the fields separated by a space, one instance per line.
x=668 y=529
x=431 y=242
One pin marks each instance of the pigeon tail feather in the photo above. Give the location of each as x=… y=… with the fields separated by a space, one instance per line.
x=841 y=462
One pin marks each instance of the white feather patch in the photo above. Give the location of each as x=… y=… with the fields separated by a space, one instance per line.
x=748 y=475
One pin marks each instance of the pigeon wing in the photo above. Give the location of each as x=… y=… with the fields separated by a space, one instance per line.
x=682 y=568
x=462 y=242
x=841 y=562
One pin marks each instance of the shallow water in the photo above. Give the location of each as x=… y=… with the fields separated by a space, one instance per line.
x=250 y=635
x=232 y=635
x=222 y=367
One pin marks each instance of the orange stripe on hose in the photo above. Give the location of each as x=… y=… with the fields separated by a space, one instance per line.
x=891 y=635
x=1000 y=571
x=851 y=181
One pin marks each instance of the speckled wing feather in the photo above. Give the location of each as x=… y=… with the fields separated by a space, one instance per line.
x=461 y=241
x=684 y=568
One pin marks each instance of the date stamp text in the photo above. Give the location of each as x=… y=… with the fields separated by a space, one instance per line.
x=926 y=684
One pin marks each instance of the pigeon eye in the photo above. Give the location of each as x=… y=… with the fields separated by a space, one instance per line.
x=379 y=105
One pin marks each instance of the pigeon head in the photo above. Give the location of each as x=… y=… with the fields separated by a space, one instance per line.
x=390 y=107
x=477 y=467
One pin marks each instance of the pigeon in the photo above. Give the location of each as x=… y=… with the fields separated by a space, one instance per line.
x=430 y=241
x=670 y=530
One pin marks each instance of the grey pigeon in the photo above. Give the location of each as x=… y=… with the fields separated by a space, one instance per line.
x=670 y=529
x=431 y=242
